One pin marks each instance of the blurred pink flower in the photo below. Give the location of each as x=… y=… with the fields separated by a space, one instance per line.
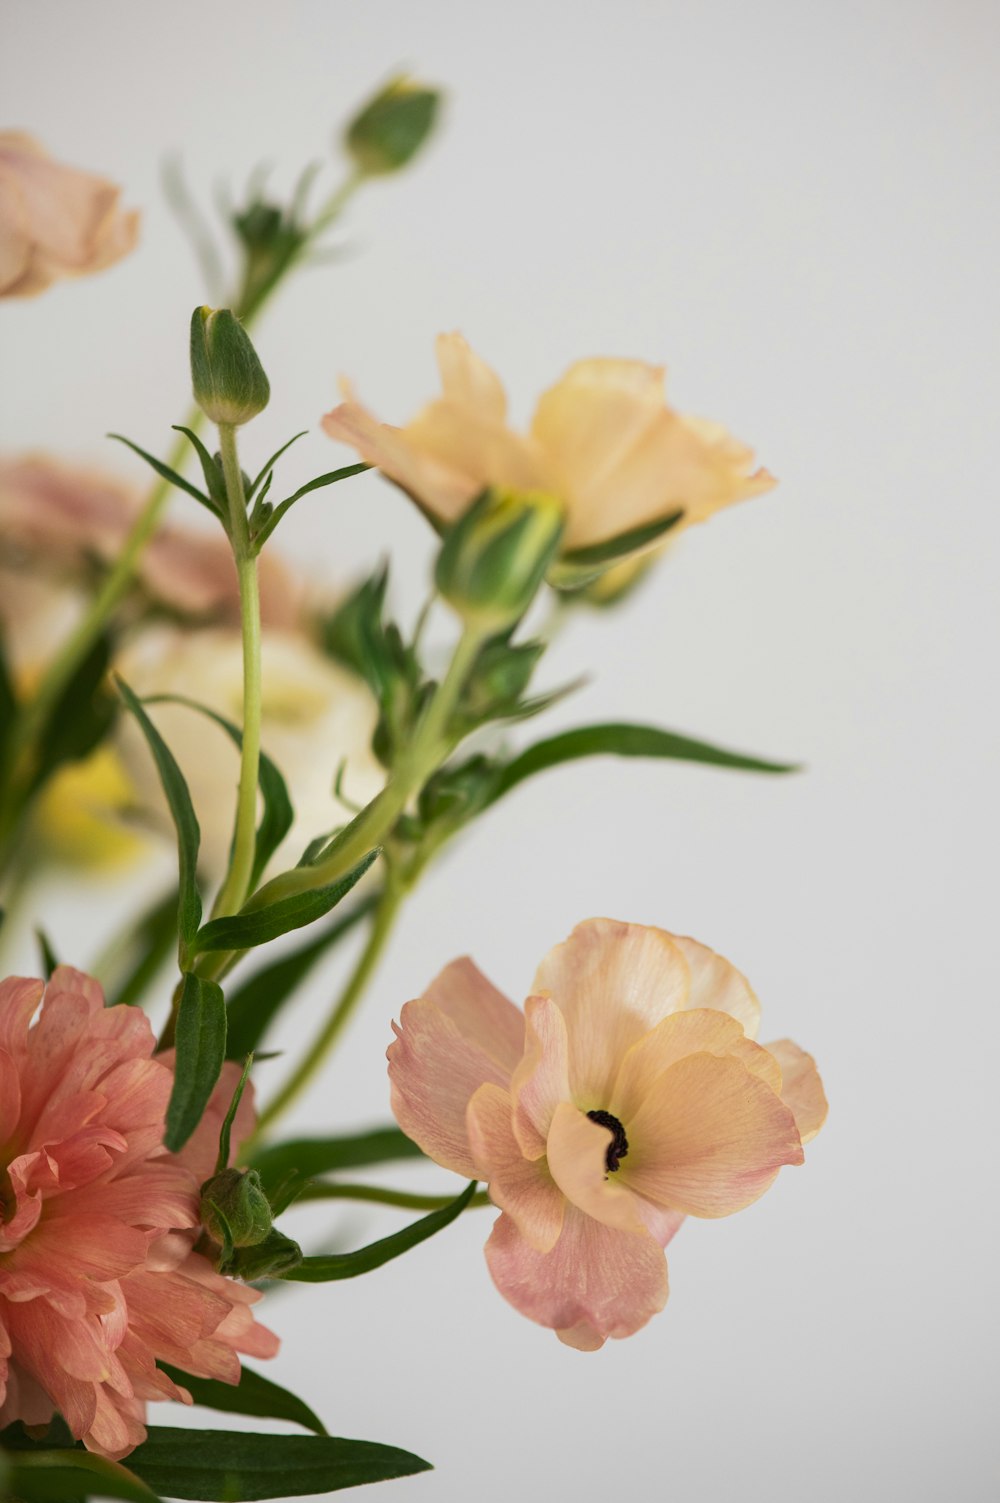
x=98 y=1281
x=55 y=221
x=602 y=441
x=627 y=1096
x=63 y=517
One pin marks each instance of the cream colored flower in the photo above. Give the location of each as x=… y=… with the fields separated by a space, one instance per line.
x=55 y=221
x=602 y=441
x=315 y=715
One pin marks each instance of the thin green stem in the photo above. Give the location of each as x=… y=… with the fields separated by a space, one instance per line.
x=234 y=889
x=317 y=1190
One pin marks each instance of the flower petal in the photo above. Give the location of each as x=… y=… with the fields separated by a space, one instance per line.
x=595 y=1283
x=717 y=984
x=577 y=1157
x=468 y=380
x=459 y=1035
x=801 y=1087
x=443 y=490
x=709 y=1138
x=521 y=1187
x=19 y=997
x=613 y=982
x=541 y=1079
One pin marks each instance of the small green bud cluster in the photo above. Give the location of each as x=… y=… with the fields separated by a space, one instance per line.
x=228 y=379
x=494 y=558
x=391 y=129
x=234 y=1208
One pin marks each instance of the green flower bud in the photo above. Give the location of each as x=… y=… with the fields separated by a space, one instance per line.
x=233 y=1203
x=270 y=1259
x=228 y=379
x=392 y=127
x=494 y=558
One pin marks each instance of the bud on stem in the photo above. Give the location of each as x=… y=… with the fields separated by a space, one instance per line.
x=494 y=558
x=228 y=380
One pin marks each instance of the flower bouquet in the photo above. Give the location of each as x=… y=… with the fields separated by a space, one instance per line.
x=310 y=756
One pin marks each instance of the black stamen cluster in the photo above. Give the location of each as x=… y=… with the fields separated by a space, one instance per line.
x=618 y=1147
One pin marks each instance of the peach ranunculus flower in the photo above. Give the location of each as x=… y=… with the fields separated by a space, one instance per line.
x=98 y=1280
x=55 y=221
x=627 y=1096
x=602 y=441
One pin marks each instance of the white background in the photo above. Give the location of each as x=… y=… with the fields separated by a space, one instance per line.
x=794 y=207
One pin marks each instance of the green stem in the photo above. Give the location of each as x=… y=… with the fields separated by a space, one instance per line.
x=233 y=892
x=322 y=1044
x=402 y=1198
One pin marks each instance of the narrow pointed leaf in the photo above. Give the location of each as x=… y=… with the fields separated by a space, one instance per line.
x=214 y=480
x=258 y=926
x=166 y=473
x=201 y=1052
x=153 y=937
x=278 y=814
x=8 y=701
x=71 y=1477
x=624 y=740
x=254 y=1005
x=270 y=463
x=242 y=1468
x=312 y=1156
x=182 y=812
x=253 y=1395
x=81 y=717
x=314 y=485
x=325 y=1268
x=598 y=555
x=49 y=958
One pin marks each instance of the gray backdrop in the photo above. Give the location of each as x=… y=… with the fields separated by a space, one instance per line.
x=794 y=207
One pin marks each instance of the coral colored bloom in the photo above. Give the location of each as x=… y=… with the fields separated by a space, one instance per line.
x=55 y=221
x=98 y=1281
x=602 y=441
x=627 y=1096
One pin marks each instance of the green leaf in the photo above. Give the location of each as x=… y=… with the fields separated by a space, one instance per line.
x=311 y=1156
x=314 y=485
x=276 y=819
x=80 y=718
x=253 y=1006
x=599 y=555
x=323 y=1269
x=241 y=1468
x=150 y=941
x=182 y=811
x=8 y=701
x=214 y=479
x=623 y=740
x=266 y=468
x=258 y=926
x=252 y=1395
x=225 y=1132
x=201 y=1051
x=166 y=473
x=49 y=959
x=71 y=1477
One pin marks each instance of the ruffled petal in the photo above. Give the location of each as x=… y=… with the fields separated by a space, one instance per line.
x=577 y=1157
x=521 y=1187
x=541 y=1079
x=709 y=1138
x=595 y=1283
x=467 y=380
x=436 y=485
x=19 y=997
x=693 y=1031
x=717 y=984
x=613 y=982
x=801 y=1087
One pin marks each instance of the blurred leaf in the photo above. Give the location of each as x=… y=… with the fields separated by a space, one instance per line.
x=579 y=565
x=258 y=926
x=623 y=740
x=151 y=940
x=166 y=473
x=242 y=1468
x=8 y=701
x=215 y=482
x=70 y=1476
x=80 y=718
x=323 y=1269
x=201 y=1051
x=49 y=960
x=253 y=1006
x=276 y=819
x=253 y=1395
x=314 y=485
x=311 y=1156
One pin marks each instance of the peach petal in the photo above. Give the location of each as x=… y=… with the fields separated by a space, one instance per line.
x=541 y=1079
x=613 y=982
x=718 y=985
x=449 y=1042
x=577 y=1157
x=801 y=1087
x=467 y=379
x=520 y=1186
x=475 y=449
x=693 y=1031
x=709 y=1138
x=19 y=997
x=10 y=1095
x=439 y=487
x=596 y=1279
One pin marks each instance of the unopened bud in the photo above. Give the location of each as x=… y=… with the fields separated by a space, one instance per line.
x=233 y=1203
x=228 y=379
x=494 y=558
x=392 y=127
x=275 y=1256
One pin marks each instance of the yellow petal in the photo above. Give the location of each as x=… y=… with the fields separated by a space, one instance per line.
x=801 y=1087
x=467 y=380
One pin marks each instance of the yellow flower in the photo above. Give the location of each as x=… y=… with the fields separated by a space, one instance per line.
x=603 y=441
x=80 y=815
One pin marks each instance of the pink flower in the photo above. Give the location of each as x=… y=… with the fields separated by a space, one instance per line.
x=98 y=1280
x=626 y=1096
x=55 y=221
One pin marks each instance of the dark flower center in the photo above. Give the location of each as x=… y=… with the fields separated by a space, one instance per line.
x=618 y=1147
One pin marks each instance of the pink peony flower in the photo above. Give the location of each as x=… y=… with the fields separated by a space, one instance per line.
x=626 y=1096
x=98 y=1280
x=55 y=221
